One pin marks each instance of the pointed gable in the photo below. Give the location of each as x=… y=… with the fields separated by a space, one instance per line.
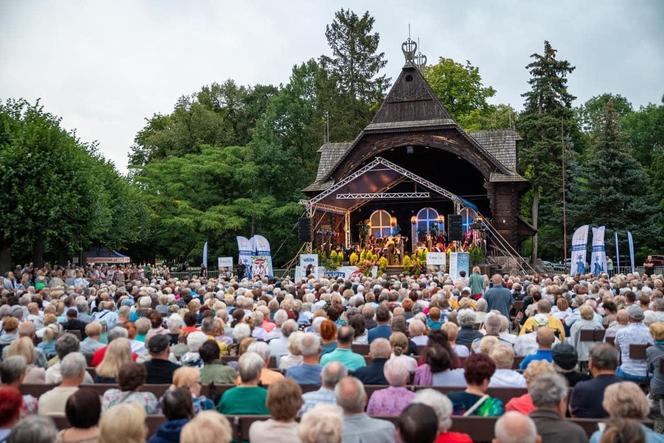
x=410 y=100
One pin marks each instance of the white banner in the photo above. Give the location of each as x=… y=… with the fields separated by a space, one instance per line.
x=578 y=256
x=436 y=259
x=205 y=255
x=224 y=262
x=630 y=242
x=459 y=261
x=344 y=272
x=598 y=257
x=246 y=250
x=261 y=247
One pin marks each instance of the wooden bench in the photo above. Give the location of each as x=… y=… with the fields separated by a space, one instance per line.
x=592 y=335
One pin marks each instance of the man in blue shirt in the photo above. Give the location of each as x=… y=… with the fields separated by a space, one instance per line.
x=545 y=339
x=499 y=297
x=308 y=373
x=383 y=330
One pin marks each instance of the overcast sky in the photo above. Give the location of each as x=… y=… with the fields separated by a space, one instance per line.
x=104 y=66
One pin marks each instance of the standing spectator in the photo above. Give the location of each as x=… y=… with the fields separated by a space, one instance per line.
x=284 y=399
x=373 y=374
x=177 y=407
x=207 y=426
x=131 y=377
x=545 y=340
x=476 y=283
x=72 y=372
x=322 y=424
x=443 y=409
x=214 y=370
x=636 y=333
x=247 y=398
x=343 y=352
x=358 y=427
x=383 y=328
x=10 y=410
x=587 y=396
x=124 y=423
x=159 y=369
x=478 y=370
x=514 y=427
x=308 y=373
x=395 y=398
x=549 y=395
x=82 y=410
x=329 y=377
x=418 y=423
x=498 y=297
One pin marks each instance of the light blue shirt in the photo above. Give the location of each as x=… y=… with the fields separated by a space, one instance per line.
x=345 y=356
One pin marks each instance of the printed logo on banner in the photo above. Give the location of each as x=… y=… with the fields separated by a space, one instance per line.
x=598 y=257
x=436 y=258
x=578 y=256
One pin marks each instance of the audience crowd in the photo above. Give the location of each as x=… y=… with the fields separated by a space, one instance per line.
x=365 y=359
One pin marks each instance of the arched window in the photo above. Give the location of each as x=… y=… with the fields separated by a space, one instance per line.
x=380 y=223
x=468 y=217
x=426 y=219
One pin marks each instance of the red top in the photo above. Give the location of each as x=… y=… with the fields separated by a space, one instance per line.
x=453 y=437
x=99 y=354
x=523 y=404
x=189 y=329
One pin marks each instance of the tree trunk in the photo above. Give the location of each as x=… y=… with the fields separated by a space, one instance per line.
x=534 y=215
x=38 y=252
x=5 y=256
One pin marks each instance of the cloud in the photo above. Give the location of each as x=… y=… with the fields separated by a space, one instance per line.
x=105 y=66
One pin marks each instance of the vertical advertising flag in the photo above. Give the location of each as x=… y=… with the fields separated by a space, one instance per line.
x=630 y=240
x=261 y=247
x=598 y=257
x=205 y=255
x=578 y=255
x=245 y=251
x=615 y=236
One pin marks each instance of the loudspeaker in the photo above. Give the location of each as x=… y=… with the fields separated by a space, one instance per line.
x=304 y=232
x=454 y=227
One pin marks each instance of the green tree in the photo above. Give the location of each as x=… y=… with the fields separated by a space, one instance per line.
x=546 y=121
x=645 y=131
x=591 y=113
x=353 y=81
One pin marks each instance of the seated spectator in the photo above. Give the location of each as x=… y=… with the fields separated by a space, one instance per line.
x=117 y=355
x=177 y=407
x=131 y=377
x=514 y=427
x=72 y=374
x=189 y=322
x=73 y=323
x=10 y=410
x=524 y=403
x=434 y=321
x=621 y=430
x=356 y=321
x=307 y=373
x=322 y=424
x=452 y=332
x=190 y=378
x=549 y=395
x=156 y=326
x=91 y=343
x=329 y=377
x=443 y=409
x=380 y=351
x=492 y=327
x=9 y=331
x=23 y=347
x=586 y=401
x=467 y=334
x=418 y=423
x=395 y=398
x=399 y=343
x=268 y=376
x=117 y=332
x=207 y=426
x=625 y=400
x=328 y=335
x=214 y=370
x=284 y=399
x=443 y=372
x=417 y=332
x=65 y=345
x=566 y=364
x=294 y=356
x=358 y=426
x=383 y=328
x=247 y=398
x=82 y=410
x=159 y=369
x=478 y=370
x=636 y=333
x=47 y=344
x=192 y=357
x=124 y=423
x=279 y=344
x=33 y=429
x=544 y=318
x=654 y=356
x=505 y=376
x=12 y=374
x=545 y=340
x=343 y=352
x=585 y=322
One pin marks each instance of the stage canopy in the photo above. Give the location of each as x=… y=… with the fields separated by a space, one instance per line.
x=105 y=255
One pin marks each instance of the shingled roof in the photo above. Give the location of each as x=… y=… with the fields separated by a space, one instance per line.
x=330 y=154
x=501 y=143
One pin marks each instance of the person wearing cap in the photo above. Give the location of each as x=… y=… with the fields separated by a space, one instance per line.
x=565 y=360
x=635 y=333
x=159 y=368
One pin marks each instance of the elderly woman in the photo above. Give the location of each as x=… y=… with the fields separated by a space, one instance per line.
x=481 y=310
x=394 y=399
x=452 y=331
x=399 y=343
x=505 y=376
x=247 y=398
x=190 y=378
x=467 y=334
x=194 y=341
x=359 y=325
x=474 y=401
x=294 y=356
x=417 y=331
x=443 y=368
x=124 y=423
x=131 y=377
x=625 y=400
x=328 y=335
x=117 y=354
x=443 y=408
x=10 y=399
x=321 y=424
x=9 y=331
x=214 y=370
x=83 y=410
x=268 y=376
x=207 y=426
x=524 y=404
x=47 y=344
x=586 y=322
x=12 y=373
x=24 y=347
x=284 y=399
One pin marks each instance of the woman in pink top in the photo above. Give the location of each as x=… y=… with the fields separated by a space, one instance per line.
x=392 y=400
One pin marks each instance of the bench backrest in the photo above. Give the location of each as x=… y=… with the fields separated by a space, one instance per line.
x=592 y=335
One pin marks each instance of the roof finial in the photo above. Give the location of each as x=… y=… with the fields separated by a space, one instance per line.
x=408 y=48
x=420 y=59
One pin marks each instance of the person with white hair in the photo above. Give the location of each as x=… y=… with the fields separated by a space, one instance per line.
x=322 y=424
x=505 y=376
x=395 y=398
x=467 y=332
x=247 y=398
x=72 y=372
x=514 y=427
x=308 y=372
x=279 y=344
x=294 y=356
x=358 y=426
x=280 y=317
x=329 y=377
x=442 y=406
x=268 y=376
x=192 y=357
